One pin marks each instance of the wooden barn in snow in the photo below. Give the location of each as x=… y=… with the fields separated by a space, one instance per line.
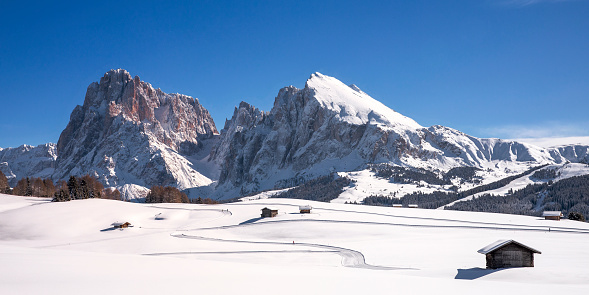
x=266 y=212
x=305 y=209
x=121 y=225
x=508 y=253
x=552 y=215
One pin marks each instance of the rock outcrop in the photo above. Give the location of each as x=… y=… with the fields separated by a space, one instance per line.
x=128 y=132
x=329 y=126
x=133 y=136
x=28 y=161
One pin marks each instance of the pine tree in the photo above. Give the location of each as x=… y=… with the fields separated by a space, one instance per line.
x=4 y=186
x=62 y=193
x=28 y=189
x=73 y=188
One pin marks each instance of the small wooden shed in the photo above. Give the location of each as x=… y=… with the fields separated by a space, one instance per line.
x=121 y=225
x=508 y=253
x=552 y=215
x=305 y=209
x=266 y=212
x=397 y=205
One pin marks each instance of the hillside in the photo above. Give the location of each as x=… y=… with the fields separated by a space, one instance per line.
x=337 y=248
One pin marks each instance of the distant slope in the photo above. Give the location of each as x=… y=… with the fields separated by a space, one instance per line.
x=566 y=195
x=28 y=161
x=331 y=127
x=549 y=142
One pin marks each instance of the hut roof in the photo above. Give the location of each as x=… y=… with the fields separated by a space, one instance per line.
x=305 y=207
x=119 y=223
x=552 y=213
x=501 y=243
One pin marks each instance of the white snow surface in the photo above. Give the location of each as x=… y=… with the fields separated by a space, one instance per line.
x=500 y=243
x=68 y=248
x=355 y=106
x=366 y=183
x=547 y=142
x=132 y=192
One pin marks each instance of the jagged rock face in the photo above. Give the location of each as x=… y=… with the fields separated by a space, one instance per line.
x=322 y=127
x=129 y=132
x=28 y=161
x=572 y=153
x=328 y=126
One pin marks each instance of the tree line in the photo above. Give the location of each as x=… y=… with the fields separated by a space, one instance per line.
x=323 y=189
x=437 y=199
x=570 y=196
x=85 y=187
x=416 y=175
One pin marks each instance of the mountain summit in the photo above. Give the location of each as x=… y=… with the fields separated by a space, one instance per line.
x=132 y=136
x=127 y=132
x=353 y=105
x=331 y=127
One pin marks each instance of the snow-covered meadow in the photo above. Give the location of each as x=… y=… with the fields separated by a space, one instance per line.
x=70 y=248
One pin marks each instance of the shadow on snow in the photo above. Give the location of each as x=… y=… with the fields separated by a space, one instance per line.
x=474 y=273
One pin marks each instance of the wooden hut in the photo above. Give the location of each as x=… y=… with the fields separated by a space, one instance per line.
x=266 y=212
x=121 y=225
x=508 y=253
x=552 y=215
x=397 y=205
x=305 y=209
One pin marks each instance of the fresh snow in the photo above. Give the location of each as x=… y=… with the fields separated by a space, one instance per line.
x=366 y=183
x=500 y=243
x=355 y=106
x=68 y=248
x=555 y=141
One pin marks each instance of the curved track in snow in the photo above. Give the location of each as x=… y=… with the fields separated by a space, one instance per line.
x=350 y=258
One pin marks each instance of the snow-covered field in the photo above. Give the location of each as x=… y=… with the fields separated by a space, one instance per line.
x=69 y=248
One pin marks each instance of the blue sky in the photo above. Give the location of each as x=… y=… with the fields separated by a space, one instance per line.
x=490 y=68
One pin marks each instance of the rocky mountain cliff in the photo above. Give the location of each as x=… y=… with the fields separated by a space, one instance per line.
x=127 y=132
x=133 y=136
x=328 y=126
x=26 y=160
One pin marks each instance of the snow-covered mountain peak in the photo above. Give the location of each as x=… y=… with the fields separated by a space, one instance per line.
x=128 y=132
x=355 y=88
x=353 y=105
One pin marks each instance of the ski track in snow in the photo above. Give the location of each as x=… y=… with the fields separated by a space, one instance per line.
x=350 y=258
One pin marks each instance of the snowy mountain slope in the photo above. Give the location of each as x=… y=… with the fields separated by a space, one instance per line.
x=548 y=142
x=127 y=132
x=28 y=161
x=353 y=105
x=336 y=249
x=563 y=171
x=328 y=126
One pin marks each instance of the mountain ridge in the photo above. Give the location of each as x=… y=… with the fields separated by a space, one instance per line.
x=129 y=133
